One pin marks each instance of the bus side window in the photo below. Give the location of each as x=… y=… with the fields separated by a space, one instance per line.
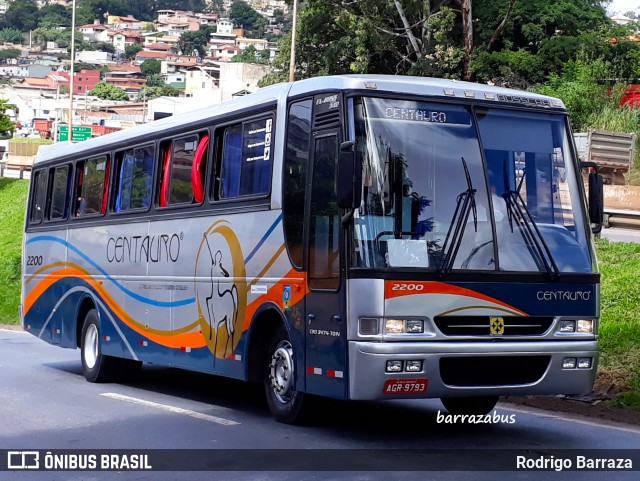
x=59 y=203
x=245 y=164
x=165 y=156
x=183 y=169
x=134 y=178
x=90 y=191
x=39 y=197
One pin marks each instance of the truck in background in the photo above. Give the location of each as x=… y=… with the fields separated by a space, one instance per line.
x=613 y=152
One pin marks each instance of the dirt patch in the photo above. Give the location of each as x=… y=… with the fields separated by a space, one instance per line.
x=11 y=327
x=580 y=408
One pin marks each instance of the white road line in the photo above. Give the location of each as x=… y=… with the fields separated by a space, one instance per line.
x=571 y=418
x=172 y=409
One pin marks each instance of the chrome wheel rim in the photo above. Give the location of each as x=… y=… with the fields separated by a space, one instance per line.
x=281 y=372
x=91 y=346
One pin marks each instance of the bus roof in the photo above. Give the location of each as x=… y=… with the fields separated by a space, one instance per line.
x=375 y=83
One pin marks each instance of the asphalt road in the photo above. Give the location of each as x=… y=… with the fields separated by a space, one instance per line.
x=621 y=235
x=45 y=404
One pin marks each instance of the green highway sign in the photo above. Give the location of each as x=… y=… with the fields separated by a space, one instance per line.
x=79 y=133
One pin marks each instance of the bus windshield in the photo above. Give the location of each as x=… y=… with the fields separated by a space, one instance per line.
x=452 y=187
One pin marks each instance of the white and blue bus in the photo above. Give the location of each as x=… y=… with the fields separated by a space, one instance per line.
x=354 y=237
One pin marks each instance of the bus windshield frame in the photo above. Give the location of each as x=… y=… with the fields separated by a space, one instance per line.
x=463 y=187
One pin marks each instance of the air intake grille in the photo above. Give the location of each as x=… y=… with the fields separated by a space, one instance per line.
x=326 y=119
x=493 y=370
x=481 y=325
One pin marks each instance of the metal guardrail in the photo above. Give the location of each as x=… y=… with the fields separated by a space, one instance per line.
x=623 y=219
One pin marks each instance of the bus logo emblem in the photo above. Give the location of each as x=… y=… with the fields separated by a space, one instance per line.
x=496 y=325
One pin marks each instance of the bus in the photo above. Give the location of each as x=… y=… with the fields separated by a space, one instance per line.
x=360 y=237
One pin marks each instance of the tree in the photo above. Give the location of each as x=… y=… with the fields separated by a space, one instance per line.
x=198 y=41
x=109 y=92
x=130 y=51
x=507 y=42
x=7 y=127
x=11 y=35
x=252 y=55
x=148 y=93
x=155 y=80
x=151 y=66
x=54 y=16
x=246 y=17
x=22 y=15
x=8 y=53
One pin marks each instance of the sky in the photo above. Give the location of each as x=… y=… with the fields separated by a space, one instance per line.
x=623 y=6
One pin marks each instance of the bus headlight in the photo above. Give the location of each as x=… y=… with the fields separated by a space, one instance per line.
x=414 y=326
x=394 y=326
x=402 y=326
x=567 y=326
x=585 y=326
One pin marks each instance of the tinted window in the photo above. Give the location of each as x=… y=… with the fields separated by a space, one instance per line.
x=90 y=186
x=60 y=182
x=39 y=196
x=134 y=178
x=246 y=159
x=324 y=221
x=294 y=177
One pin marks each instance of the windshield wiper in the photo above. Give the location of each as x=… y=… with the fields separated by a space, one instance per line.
x=465 y=205
x=518 y=211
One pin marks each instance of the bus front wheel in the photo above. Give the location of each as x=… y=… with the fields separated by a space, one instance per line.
x=470 y=405
x=285 y=403
x=96 y=366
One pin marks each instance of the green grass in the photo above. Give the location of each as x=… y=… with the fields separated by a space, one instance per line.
x=620 y=315
x=13 y=195
x=620 y=319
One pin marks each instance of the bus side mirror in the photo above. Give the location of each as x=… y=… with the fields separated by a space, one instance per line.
x=349 y=176
x=595 y=196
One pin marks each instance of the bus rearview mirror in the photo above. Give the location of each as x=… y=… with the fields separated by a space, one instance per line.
x=349 y=177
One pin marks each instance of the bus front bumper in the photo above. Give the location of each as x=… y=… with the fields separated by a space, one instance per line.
x=457 y=369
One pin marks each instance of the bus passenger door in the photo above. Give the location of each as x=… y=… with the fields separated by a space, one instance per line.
x=325 y=305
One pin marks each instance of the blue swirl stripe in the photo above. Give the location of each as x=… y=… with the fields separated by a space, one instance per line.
x=264 y=238
x=137 y=297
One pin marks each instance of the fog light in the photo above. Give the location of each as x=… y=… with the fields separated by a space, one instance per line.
x=394 y=366
x=369 y=326
x=569 y=363
x=413 y=366
x=567 y=326
x=394 y=326
x=585 y=326
x=414 y=326
x=584 y=363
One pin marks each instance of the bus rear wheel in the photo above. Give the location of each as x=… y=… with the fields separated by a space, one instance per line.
x=470 y=405
x=285 y=403
x=96 y=366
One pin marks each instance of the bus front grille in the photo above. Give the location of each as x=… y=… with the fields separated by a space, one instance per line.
x=493 y=326
x=492 y=370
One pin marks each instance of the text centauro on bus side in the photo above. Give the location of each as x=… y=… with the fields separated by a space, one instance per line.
x=356 y=237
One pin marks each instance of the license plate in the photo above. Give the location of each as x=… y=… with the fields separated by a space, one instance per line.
x=406 y=386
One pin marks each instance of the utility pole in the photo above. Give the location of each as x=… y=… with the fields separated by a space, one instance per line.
x=292 y=61
x=71 y=73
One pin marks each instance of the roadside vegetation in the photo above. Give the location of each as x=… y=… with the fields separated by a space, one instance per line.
x=619 y=327
x=13 y=196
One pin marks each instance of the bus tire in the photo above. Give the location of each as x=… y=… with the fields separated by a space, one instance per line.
x=470 y=405
x=285 y=403
x=96 y=366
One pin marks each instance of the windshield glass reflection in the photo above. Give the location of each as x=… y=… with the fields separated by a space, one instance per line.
x=428 y=201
